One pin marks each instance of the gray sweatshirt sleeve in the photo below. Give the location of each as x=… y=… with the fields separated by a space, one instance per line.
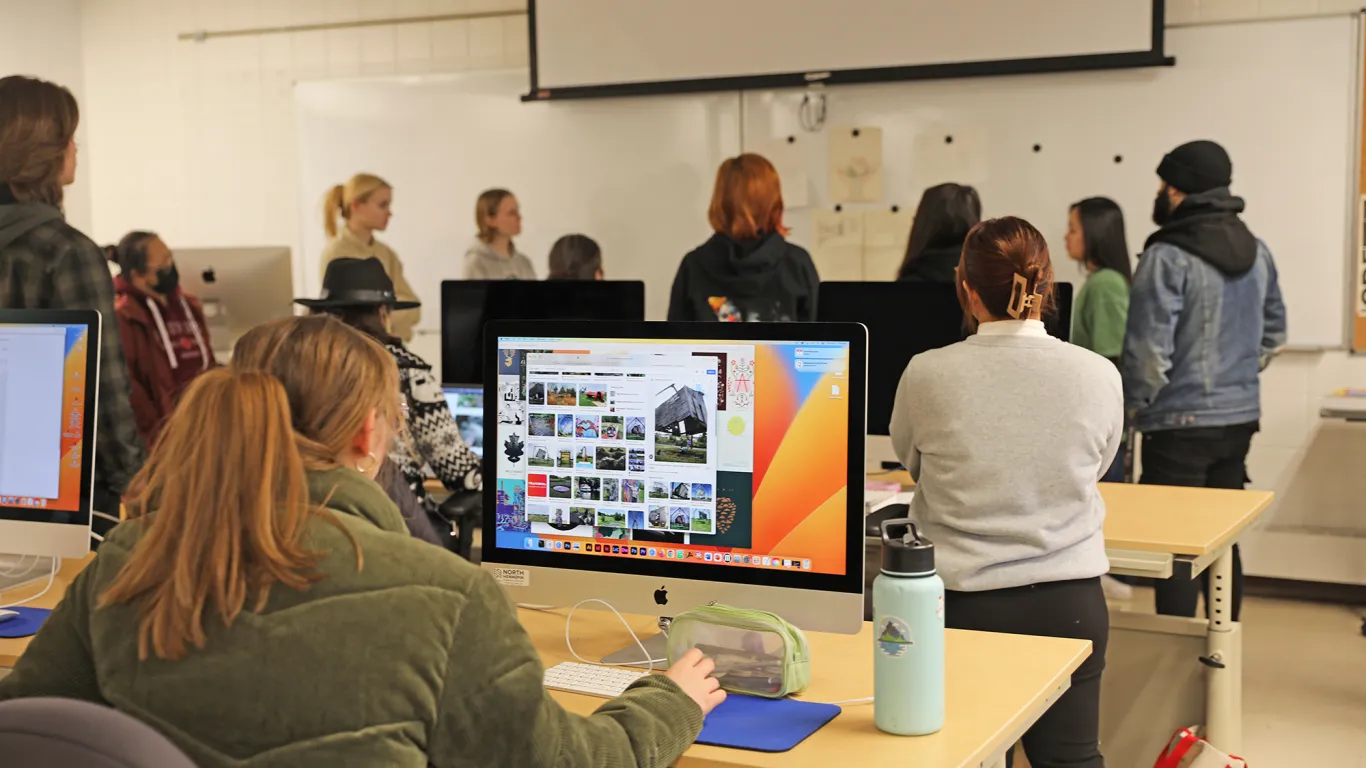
x=903 y=426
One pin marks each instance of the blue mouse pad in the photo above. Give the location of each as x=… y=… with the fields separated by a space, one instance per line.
x=26 y=624
x=764 y=725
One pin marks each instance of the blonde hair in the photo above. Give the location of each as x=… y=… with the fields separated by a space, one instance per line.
x=334 y=376
x=37 y=123
x=339 y=199
x=485 y=208
x=226 y=480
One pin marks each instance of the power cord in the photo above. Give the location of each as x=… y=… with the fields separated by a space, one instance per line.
x=51 y=578
x=645 y=654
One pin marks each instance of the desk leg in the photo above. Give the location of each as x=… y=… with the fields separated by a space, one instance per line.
x=1224 y=648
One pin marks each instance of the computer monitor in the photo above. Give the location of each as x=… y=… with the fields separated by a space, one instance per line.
x=467 y=406
x=468 y=305
x=693 y=462
x=49 y=382
x=905 y=319
x=240 y=288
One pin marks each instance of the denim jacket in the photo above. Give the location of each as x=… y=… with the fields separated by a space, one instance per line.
x=1197 y=340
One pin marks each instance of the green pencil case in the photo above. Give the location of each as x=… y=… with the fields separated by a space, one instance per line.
x=756 y=652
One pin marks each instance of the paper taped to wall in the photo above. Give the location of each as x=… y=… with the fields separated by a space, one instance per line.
x=856 y=165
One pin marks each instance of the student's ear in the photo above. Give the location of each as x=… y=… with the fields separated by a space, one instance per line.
x=361 y=444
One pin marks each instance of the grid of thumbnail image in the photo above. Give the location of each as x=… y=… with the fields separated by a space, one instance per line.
x=596 y=459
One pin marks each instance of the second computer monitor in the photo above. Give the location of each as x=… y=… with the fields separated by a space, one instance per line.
x=905 y=319
x=663 y=466
x=468 y=305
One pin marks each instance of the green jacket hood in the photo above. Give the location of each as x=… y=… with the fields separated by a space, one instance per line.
x=346 y=492
x=19 y=219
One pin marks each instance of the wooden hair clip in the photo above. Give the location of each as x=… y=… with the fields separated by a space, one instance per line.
x=1022 y=298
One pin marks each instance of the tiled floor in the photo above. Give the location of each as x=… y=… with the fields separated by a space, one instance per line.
x=1304 y=683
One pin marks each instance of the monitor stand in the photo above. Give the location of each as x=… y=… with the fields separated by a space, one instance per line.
x=656 y=645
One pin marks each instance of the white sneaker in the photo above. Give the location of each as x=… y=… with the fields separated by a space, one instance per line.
x=1115 y=589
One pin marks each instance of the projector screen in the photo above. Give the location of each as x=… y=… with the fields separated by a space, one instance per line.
x=589 y=48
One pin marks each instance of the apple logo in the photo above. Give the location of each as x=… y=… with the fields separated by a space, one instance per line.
x=661 y=596
x=209 y=276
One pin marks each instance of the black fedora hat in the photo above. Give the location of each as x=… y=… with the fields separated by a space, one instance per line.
x=357 y=283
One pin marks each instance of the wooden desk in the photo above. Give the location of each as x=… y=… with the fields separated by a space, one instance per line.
x=998 y=686
x=1184 y=531
x=12 y=649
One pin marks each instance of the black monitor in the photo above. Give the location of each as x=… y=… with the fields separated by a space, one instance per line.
x=467 y=305
x=905 y=319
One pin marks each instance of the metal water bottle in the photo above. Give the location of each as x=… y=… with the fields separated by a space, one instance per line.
x=908 y=634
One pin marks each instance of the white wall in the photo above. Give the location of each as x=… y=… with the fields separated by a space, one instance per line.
x=44 y=40
x=197 y=140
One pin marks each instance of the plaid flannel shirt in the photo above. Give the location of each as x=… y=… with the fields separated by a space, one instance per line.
x=54 y=266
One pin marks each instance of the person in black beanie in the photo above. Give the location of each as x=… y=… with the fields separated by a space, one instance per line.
x=1205 y=317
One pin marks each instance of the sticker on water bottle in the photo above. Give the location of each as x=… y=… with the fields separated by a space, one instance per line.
x=893 y=636
x=940 y=610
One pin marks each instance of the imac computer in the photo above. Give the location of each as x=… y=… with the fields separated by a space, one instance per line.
x=665 y=466
x=468 y=305
x=905 y=319
x=49 y=380
x=240 y=288
x=467 y=406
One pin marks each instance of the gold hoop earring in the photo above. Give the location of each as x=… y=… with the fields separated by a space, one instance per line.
x=374 y=462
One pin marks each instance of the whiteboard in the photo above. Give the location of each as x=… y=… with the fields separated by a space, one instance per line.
x=634 y=174
x=602 y=42
x=1280 y=96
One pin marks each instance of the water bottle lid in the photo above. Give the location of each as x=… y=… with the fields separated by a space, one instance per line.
x=904 y=550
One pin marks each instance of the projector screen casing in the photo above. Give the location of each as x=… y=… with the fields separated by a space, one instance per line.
x=608 y=48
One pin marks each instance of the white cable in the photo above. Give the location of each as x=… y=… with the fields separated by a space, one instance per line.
x=51 y=578
x=569 y=644
x=848 y=702
x=14 y=570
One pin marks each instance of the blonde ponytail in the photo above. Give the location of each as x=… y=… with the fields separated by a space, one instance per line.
x=333 y=206
x=339 y=199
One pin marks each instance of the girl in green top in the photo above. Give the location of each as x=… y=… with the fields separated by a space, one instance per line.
x=1095 y=237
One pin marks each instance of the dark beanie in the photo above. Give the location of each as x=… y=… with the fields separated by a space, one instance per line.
x=1197 y=167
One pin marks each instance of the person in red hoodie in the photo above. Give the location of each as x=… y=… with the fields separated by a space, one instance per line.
x=165 y=338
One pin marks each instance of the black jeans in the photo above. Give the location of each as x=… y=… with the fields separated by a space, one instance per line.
x=1200 y=457
x=1069 y=732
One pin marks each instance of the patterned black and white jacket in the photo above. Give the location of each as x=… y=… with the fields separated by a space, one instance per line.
x=434 y=435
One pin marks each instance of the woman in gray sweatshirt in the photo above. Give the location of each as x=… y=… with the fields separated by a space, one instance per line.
x=1007 y=434
x=492 y=256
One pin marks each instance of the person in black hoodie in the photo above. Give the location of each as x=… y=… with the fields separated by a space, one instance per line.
x=942 y=220
x=1205 y=317
x=746 y=271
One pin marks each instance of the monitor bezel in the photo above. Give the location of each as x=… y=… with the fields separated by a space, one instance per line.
x=16 y=522
x=854 y=334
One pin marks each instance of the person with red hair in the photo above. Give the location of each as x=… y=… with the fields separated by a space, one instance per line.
x=746 y=271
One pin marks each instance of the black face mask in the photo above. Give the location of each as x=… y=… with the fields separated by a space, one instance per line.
x=1162 y=208
x=168 y=280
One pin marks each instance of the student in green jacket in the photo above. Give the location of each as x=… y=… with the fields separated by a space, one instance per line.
x=265 y=607
x=1095 y=237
